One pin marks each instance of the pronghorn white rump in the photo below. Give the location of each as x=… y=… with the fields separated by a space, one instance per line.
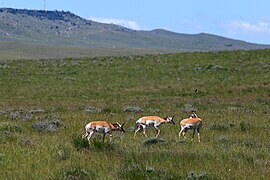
x=191 y=123
x=151 y=121
x=102 y=127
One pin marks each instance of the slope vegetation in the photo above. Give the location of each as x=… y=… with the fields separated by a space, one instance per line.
x=59 y=28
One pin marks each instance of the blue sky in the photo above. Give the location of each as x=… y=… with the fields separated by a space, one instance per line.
x=247 y=20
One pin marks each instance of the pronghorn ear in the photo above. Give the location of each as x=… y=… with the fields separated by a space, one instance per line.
x=118 y=124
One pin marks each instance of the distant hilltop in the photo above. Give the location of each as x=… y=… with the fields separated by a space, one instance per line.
x=39 y=27
x=51 y=15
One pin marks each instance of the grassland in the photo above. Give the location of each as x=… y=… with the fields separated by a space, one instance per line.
x=22 y=51
x=45 y=104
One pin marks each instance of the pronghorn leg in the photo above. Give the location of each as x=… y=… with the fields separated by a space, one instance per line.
x=85 y=135
x=199 y=139
x=144 y=131
x=181 y=131
x=90 y=135
x=108 y=134
x=137 y=130
x=110 y=137
x=103 y=137
x=158 y=131
x=184 y=133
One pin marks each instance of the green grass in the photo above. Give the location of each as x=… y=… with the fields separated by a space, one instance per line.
x=232 y=98
x=19 y=50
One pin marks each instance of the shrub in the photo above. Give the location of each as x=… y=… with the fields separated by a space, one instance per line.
x=223 y=140
x=220 y=126
x=25 y=142
x=133 y=109
x=78 y=173
x=92 y=110
x=188 y=108
x=153 y=141
x=213 y=67
x=249 y=143
x=47 y=126
x=193 y=175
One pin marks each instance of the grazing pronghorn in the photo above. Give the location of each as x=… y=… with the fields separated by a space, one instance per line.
x=151 y=121
x=102 y=127
x=193 y=122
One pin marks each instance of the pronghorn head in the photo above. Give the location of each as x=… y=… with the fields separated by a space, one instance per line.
x=193 y=115
x=119 y=127
x=170 y=120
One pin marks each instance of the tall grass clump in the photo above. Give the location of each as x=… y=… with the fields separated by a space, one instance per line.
x=104 y=146
x=10 y=128
x=95 y=144
x=80 y=143
x=63 y=153
x=244 y=126
x=220 y=126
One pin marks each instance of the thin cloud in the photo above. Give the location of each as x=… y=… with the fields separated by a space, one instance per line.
x=245 y=27
x=122 y=22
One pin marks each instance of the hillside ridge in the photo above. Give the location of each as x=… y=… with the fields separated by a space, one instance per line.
x=63 y=28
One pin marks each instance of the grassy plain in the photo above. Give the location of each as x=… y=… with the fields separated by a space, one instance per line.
x=45 y=104
x=23 y=51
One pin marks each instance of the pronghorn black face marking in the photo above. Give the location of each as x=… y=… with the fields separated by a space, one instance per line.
x=119 y=127
x=170 y=120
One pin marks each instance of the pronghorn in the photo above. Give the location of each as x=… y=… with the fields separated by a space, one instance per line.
x=102 y=127
x=151 y=121
x=193 y=122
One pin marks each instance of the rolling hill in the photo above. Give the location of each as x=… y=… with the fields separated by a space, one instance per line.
x=65 y=29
